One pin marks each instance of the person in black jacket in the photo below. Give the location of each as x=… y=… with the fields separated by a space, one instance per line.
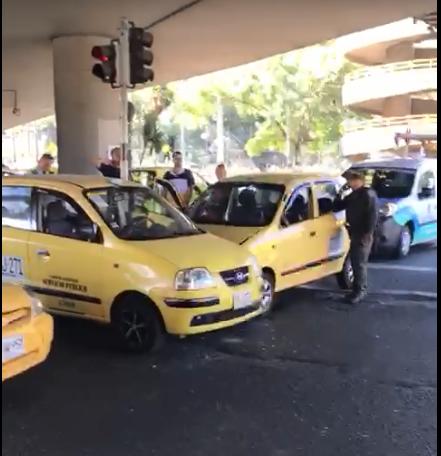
x=361 y=215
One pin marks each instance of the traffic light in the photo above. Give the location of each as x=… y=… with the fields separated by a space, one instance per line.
x=106 y=70
x=141 y=57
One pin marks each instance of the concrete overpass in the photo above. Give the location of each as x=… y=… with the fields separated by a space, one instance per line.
x=46 y=51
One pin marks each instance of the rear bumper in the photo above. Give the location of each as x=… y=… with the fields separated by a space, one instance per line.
x=37 y=335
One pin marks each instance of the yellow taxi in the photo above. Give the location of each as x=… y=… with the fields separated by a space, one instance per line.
x=27 y=331
x=115 y=252
x=286 y=221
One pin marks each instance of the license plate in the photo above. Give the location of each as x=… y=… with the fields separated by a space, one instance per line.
x=242 y=299
x=12 y=347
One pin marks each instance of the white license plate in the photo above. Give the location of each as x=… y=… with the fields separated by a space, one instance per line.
x=12 y=347
x=242 y=299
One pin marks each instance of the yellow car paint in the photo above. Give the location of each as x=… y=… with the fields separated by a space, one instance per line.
x=26 y=336
x=86 y=279
x=295 y=254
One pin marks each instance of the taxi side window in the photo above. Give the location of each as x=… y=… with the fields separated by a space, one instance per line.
x=426 y=185
x=300 y=206
x=326 y=194
x=59 y=216
x=17 y=208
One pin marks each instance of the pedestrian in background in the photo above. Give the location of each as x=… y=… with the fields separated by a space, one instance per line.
x=112 y=168
x=44 y=165
x=361 y=216
x=221 y=172
x=181 y=178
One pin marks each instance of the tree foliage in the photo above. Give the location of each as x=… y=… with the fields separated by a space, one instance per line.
x=289 y=103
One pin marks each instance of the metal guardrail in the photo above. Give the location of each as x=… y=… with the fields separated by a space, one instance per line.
x=352 y=126
x=389 y=68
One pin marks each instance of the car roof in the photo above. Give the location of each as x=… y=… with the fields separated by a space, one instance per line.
x=62 y=180
x=400 y=163
x=285 y=178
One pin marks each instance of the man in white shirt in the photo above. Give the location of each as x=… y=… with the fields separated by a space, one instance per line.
x=182 y=179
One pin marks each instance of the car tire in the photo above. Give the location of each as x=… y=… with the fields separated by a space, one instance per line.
x=138 y=326
x=404 y=243
x=345 y=278
x=269 y=295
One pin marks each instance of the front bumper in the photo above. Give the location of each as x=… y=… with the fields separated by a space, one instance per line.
x=186 y=313
x=37 y=334
x=387 y=235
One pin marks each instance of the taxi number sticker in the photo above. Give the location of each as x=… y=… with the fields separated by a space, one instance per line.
x=12 y=267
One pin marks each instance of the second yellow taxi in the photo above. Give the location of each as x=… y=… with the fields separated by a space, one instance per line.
x=286 y=221
x=110 y=251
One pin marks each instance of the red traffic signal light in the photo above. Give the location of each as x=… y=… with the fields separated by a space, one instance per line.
x=106 y=70
x=141 y=57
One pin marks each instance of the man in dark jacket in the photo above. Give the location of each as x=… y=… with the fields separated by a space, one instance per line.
x=361 y=216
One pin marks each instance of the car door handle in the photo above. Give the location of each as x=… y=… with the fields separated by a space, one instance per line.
x=43 y=253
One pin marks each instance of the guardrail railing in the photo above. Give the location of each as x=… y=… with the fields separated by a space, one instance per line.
x=352 y=126
x=388 y=68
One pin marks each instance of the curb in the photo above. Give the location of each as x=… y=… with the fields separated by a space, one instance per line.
x=406 y=294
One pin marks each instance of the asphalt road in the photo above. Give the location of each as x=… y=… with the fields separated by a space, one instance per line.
x=415 y=274
x=318 y=378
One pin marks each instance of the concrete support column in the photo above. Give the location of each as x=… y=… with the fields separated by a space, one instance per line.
x=399 y=105
x=87 y=110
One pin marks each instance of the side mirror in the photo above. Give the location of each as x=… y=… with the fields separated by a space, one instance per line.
x=89 y=232
x=427 y=192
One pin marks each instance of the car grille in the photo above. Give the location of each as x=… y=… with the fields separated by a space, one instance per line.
x=236 y=277
x=14 y=317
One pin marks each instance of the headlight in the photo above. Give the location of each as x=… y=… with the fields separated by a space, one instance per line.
x=193 y=279
x=256 y=267
x=388 y=209
x=36 y=306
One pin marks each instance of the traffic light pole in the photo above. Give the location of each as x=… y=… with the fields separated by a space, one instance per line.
x=124 y=81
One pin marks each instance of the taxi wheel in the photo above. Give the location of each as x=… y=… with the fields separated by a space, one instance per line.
x=268 y=298
x=345 y=278
x=138 y=325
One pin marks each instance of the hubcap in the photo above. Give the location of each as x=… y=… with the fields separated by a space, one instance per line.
x=267 y=295
x=134 y=329
x=405 y=242
x=350 y=272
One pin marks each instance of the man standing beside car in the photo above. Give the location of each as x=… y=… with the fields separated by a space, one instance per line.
x=361 y=215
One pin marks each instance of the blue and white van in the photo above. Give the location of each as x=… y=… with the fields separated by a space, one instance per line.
x=407 y=194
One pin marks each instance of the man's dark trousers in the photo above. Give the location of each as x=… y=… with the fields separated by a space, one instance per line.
x=360 y=250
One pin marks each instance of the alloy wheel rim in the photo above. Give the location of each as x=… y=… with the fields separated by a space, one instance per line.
x=134 y=328
x=350 y=273
x=267 y=296
x=405 y=242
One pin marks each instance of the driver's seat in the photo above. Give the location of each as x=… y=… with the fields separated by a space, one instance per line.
x=58 y=220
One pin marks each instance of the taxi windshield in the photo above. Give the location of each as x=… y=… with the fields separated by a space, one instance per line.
x=389 y=183
x=137 y=214
x=238 y=204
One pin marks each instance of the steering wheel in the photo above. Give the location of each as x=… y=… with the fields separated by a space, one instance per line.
x=138 y=223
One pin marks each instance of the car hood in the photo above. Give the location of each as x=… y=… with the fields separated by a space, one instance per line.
x=14 y=298
x=203 y=250
x=237 y=234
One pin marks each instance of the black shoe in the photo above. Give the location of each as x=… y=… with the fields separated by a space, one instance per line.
x=356 y=297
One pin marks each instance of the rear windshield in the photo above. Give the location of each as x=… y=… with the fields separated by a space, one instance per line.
x=237 y=204
x=389 y=183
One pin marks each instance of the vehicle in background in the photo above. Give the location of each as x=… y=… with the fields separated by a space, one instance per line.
x=27 y=331
x=115 y=252
x=286 y=221
x=407 y=192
